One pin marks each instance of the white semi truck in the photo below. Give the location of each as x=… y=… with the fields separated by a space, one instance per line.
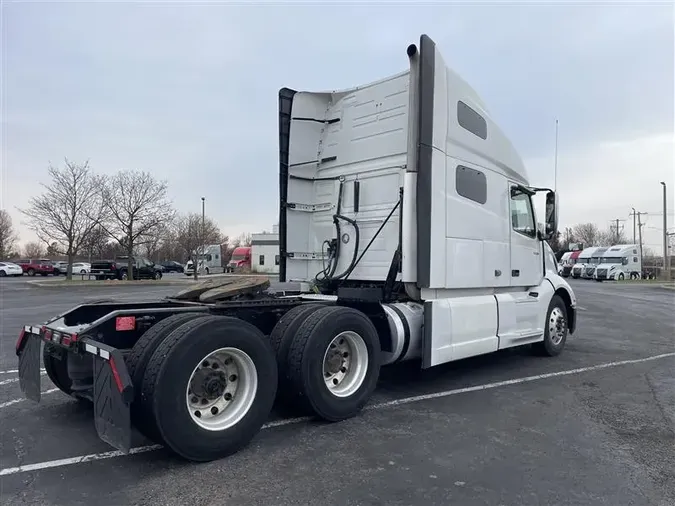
x=583 y=261
x=407 y=232
x=596 y=259
x=210 y=261
x=619 y=262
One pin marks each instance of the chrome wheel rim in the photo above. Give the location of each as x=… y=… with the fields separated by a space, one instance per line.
x=557 y=326
x=221 y=389
x=345 y=364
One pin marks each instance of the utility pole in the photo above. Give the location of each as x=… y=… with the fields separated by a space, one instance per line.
x=633 y=214
x=640 y=225
x=617 y=232
x=666 y=262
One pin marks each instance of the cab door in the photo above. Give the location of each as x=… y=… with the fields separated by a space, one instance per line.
x=526 y=249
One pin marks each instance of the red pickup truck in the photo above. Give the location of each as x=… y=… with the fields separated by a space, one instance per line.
x=37 y=266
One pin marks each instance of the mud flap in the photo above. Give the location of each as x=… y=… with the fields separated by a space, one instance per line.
x=113 y=394
x=29 y=365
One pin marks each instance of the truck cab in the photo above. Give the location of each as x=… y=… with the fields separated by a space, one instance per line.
x=595 y=260
x=361 y=210
x=619 y=262
x=210 y=261
x=569 y=263
x=240 y=259
x=583 y=260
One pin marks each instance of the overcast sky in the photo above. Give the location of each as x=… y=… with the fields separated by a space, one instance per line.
x=189 y=92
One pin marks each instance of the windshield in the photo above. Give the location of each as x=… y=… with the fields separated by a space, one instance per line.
x=612 y=260
x=238 y=257
x=595 y=260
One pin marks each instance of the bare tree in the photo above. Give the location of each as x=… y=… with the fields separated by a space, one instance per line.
x=586 y=233
x=610 y=237
x=68 y=210
x=243 y=239
x=8 y=235
x=96 y=242
x=33 y=249
x=568 y=238
x=137 y=207
x=192 y=235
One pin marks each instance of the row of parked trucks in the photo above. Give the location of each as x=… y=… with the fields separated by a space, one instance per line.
x=616 y=263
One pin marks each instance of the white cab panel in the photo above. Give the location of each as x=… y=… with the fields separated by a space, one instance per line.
x=336 y=139
x=459 y=328
x=522 y=315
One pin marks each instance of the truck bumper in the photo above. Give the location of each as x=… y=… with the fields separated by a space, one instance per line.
x=113 y=389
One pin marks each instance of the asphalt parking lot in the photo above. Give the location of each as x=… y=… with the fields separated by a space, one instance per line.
x=593 y=426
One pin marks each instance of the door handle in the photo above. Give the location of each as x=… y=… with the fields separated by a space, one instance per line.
x=536 y=253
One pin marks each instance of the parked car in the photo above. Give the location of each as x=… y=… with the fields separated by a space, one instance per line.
x=81 y=268
x=118 y=268
x=172 y=266
x=10 y=269
x=34 y=266
x=60 y=267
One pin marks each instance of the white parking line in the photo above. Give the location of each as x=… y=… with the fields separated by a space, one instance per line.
x=13 y=380
x=398 y=402
x=14 y=371
x=581 y=308
x=16 y=401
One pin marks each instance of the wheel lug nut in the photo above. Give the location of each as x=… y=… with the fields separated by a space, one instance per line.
x=198 y=414
x=227 y=396
x=343 y=369
x=335 y=381
x=345 y=354
x=194 y=400
x=214 y=410
x=204 y=401
x=233 y=377
x=228 y=361
x=205 y=364
x=214 y=365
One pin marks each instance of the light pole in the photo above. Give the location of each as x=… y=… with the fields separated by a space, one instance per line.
x=666 y=263
x=200 y=248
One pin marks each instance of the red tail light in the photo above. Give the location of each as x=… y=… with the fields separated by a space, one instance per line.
x=123 y=323
x=68 y=339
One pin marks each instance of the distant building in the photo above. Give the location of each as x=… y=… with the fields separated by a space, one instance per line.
x=265 y=251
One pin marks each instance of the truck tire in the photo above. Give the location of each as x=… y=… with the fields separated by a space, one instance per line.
x=555 y=330
x=334 y=362
x=137 y=361
x=281 y=339
x=211 y=385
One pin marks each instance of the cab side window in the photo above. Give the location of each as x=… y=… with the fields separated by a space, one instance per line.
x=522 y=215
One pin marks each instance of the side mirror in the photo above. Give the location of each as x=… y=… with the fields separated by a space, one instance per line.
x=551 y=214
